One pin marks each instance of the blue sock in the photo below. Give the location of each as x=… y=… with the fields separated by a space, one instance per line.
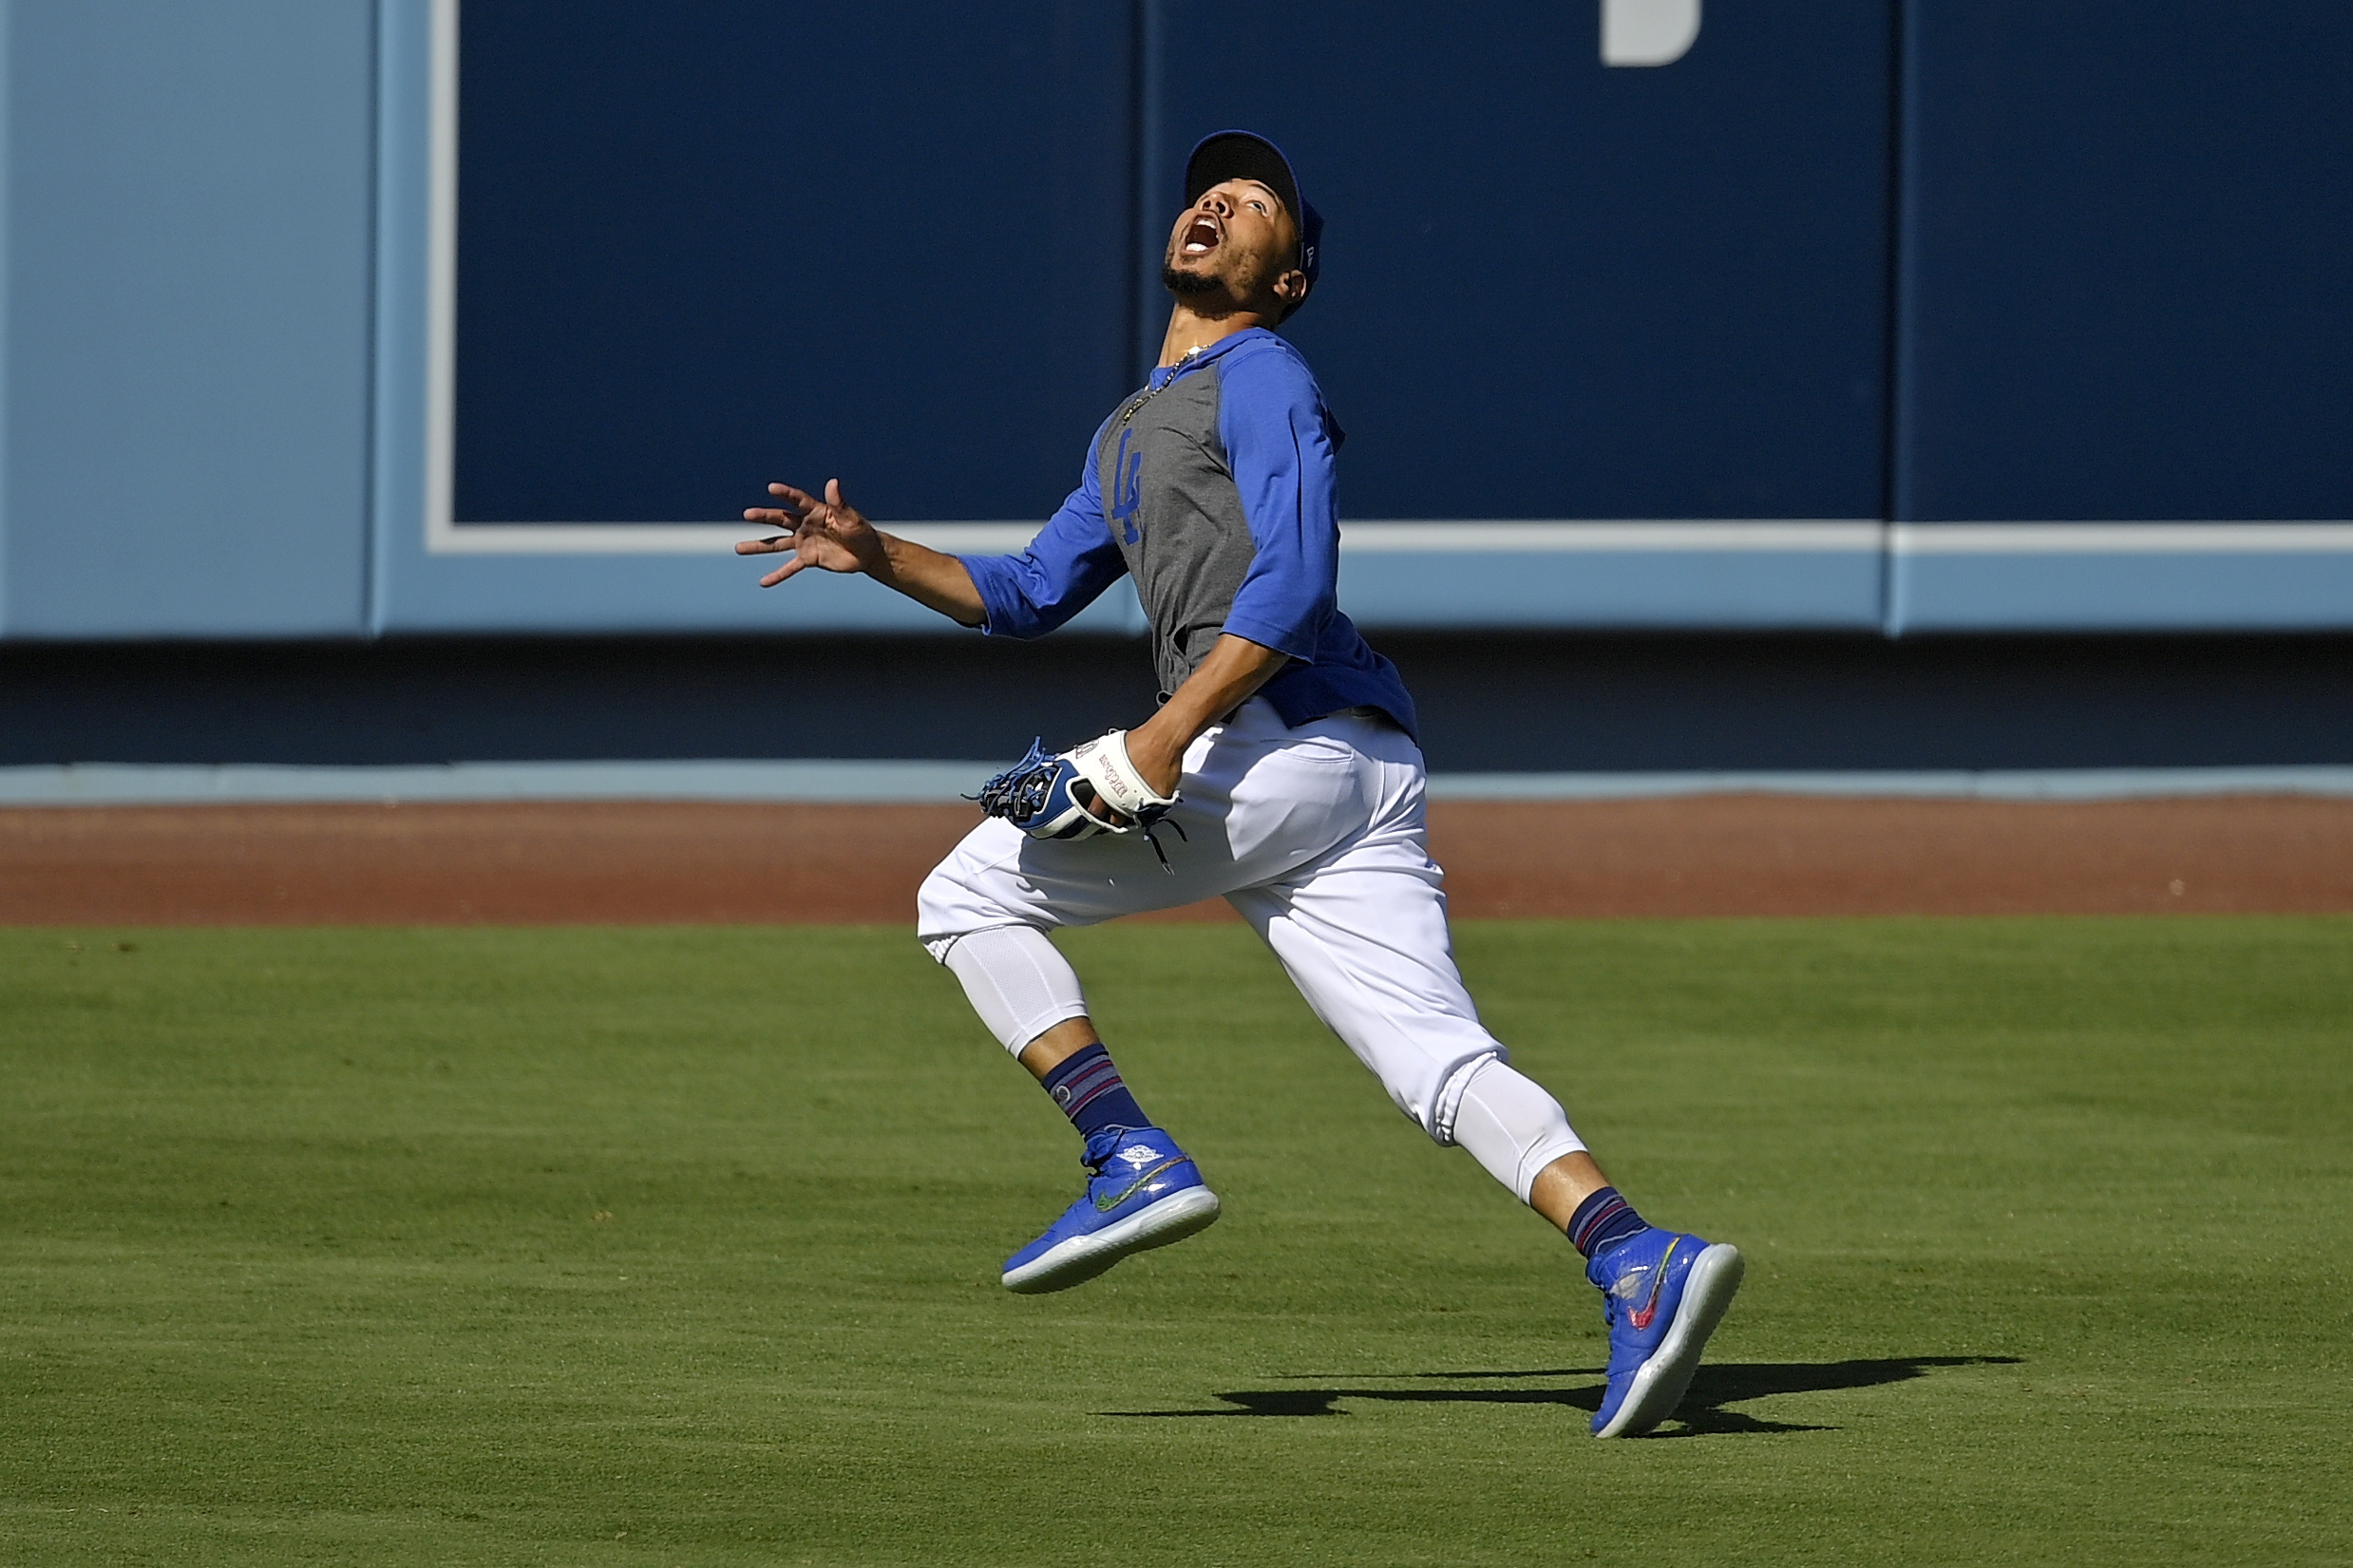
x=1603 y=1220
x=1092 y=1093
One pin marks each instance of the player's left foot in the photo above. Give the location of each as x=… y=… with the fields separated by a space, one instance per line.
x=1142 y=1191
x=1662 y=1293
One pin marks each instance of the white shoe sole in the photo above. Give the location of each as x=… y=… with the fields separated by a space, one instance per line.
x=1659 y=1386
x=1082 y=1257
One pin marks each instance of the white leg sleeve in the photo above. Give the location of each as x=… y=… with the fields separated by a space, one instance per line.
x=1017 y=981
x=1511 y=1126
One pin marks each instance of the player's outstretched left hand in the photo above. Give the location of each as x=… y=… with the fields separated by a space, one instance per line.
x=829 y=534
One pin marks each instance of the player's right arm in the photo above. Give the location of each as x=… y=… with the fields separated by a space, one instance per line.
x=832 y=536
x=1066 y=568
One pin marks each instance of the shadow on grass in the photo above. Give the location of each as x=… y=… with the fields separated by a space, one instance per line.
x=1704 y=1412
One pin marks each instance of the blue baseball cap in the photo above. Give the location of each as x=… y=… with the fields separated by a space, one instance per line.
x=1246 y=154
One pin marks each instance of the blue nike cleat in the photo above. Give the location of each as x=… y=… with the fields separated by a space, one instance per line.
x=1662 y=1293
x=1144 y=1192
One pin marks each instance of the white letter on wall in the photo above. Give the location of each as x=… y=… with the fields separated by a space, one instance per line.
x=1647 y=32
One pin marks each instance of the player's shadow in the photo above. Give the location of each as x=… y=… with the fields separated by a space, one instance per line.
x=1703 y=1413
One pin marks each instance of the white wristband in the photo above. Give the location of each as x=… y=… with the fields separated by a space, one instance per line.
x=1105 y=764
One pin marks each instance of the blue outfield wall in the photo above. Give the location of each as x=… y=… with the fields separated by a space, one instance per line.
x=340 y=318
x=2123 y=248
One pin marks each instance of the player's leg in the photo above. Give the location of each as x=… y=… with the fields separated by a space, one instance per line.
x=1364 y=938
x=1143 y=1190
x=985 y=911
x=1363 y=934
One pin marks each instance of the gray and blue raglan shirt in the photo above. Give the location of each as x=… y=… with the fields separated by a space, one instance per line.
x=1212 y=486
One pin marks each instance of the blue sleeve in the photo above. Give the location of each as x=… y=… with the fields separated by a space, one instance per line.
x=1279 y=444
x=1070 y=564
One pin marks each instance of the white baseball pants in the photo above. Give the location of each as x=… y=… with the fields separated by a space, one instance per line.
x=1316 y=837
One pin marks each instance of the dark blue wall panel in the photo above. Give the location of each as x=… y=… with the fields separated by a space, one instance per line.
x=705 y=246
x=1553 y=289
x=2127 y=242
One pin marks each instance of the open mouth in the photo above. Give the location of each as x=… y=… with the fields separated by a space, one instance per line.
x=1202 y=236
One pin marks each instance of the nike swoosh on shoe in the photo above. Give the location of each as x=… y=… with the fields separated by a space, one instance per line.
x=1105 y=1205
x=1641 y=1315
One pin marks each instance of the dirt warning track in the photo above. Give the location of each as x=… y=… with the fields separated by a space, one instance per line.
x=604 y=861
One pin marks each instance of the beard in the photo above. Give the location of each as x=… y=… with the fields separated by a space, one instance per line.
x=1188 y=284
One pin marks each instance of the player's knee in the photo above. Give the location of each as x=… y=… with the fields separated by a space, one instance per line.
x=1421 y=1101
x=1428 y=1090
x=937 y=921
x=1440 y=1103
x=948 y=906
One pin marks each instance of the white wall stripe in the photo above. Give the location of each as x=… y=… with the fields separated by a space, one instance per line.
x=696 y=538
x=1634 y=536
x=2121 y=538
x=946 y=781
x=1447 y=537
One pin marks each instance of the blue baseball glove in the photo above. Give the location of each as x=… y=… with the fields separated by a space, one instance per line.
x=1047 y=795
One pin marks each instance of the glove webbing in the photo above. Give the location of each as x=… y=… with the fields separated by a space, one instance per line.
x=1019 y=792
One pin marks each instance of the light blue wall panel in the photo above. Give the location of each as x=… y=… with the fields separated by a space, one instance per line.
x=2212 y=588
x=188 y=300
x=576 y=594
x=1753 y=589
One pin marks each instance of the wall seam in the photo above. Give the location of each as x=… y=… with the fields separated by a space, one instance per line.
x=7 y=292
x=1132 y=296
x=1145 y=158
x=1902 y=314
x=373 y=307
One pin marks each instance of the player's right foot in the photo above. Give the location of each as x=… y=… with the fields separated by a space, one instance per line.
x=1142 y=1191
x=1662 y=1293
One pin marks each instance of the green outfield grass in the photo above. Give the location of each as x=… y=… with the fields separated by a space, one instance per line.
x=679 y=1246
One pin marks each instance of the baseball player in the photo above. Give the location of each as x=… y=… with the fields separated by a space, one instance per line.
x=1281 y=772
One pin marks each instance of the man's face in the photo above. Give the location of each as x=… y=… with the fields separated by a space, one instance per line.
x=1238 y=241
